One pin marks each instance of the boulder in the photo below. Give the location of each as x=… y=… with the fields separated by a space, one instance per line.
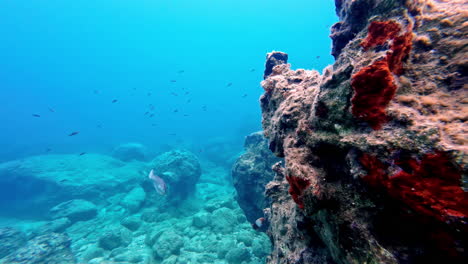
x=131 y=222
x=74 y=210
x=134 y=199
x=180 y=169
x=130 y=151
x=10 y=240
x=238 y=254
x=114 y=238
x=52 y=248
x=30 y=187
x=169 y=243
x=224 y=220
x=250 y=174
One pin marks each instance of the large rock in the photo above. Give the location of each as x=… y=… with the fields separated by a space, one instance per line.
x=30 y=187
x=180 y=170
x=74 y=210
x=375 y=148
x=130 y=151
x=251 y=172
x=10 y=240
x=51 y=248
x=134 y=199
x=169 y=243
x=114 y=238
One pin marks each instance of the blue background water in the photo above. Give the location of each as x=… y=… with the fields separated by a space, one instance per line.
x=77 y=56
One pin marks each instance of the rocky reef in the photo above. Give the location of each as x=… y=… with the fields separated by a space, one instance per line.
x=374 y=148
x=250 y=173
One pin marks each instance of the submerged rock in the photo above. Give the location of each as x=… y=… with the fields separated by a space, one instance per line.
x=30 y=187
x=375 y=148
x=130 y=151
x=169 y=243
x=10 y=240
x=74 y=210
x=250 y=174
x=114 y=238
x=180 y=170
x=134 y=199
x=51 y=248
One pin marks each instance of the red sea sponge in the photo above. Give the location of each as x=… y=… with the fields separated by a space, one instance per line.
x=297 y=186
x=379 y=32
x=399 y=51
x=430 y=187
x=373 y=89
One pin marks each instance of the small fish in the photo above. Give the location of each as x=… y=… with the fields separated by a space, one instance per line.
x=151 y=107
x=151 y=115
x=317 y=57
x=186 y=114
x=146 y=113
x=99 y=126
x=148 y=94
x=173 y=81
x=189 y=100
x=175 y=110
x=172 y=134
x=158 y=183
x=96 y=92
x=204 y=108
x=36 y=115
x=186 y=93
x=82 y=153
x=252 y=70
x=154 y=125
x=174 y=94
x=73 y=133
x=181 y=71
x=51 y=109
x=258 y=223
x=48 y=149
x=114 y=101
x=229 y=84
x=244 y=96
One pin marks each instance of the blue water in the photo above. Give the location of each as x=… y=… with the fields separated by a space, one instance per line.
x=60 y=53
x=80 y=78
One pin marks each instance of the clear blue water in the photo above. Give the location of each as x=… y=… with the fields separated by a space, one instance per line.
x=57 y=54
x=169 y=74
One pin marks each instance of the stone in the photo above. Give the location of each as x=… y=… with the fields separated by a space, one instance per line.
x=134 y=199
x=53 y=179
x=180 y=169
x=250 y=174
x=10 y=240
x=169 y=243
x=200 y=220
x=52 y=248
x=74 y=210
x=130 y=151
x=56 y=226
x=378 y=138
x=238 y=254
x=224 y=220
x=131 y=222
x=114 y=238
x=92 y=252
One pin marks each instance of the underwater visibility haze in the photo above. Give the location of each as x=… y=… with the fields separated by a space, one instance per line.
x=233 y=132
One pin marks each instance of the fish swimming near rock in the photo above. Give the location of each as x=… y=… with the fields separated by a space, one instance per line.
x=158 y=183
x=258 y=223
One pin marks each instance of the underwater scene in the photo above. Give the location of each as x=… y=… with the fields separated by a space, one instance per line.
x=234 y=132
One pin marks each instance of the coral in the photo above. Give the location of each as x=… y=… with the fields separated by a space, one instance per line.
x=373 y=89
x=379 y=32
x=297 y=186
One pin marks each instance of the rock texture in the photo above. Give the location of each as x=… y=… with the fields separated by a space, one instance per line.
x=375 y=147
x=130 y=151
x=251 y=172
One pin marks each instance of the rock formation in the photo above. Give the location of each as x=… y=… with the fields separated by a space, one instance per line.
x=375 y=147
x=250 y=174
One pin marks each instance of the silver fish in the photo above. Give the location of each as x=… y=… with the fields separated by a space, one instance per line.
x=158 y=183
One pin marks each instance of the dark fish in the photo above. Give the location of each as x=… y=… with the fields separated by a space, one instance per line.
x=258 y=223
x=186 y=93
x=134 y=88
x=317 y=57
x=252 y=70
x=151 y=107
x=99 y=126
x=186 y=115
x=181 y=71
x=82 y=153
x=174 y=94
x=51 y=110
x=154 y=124
x=48 y=149
x=96 y=92
x=189 y=100
x=148 y=94
x=73 y=133
x=151 y=115
x=204 y=108
x=172 y=134
x=173 y=81
x=229 y=84
x=175 y=110
x=244 y=96
x=146 y=113
x=36 y=115
x=114 y=101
